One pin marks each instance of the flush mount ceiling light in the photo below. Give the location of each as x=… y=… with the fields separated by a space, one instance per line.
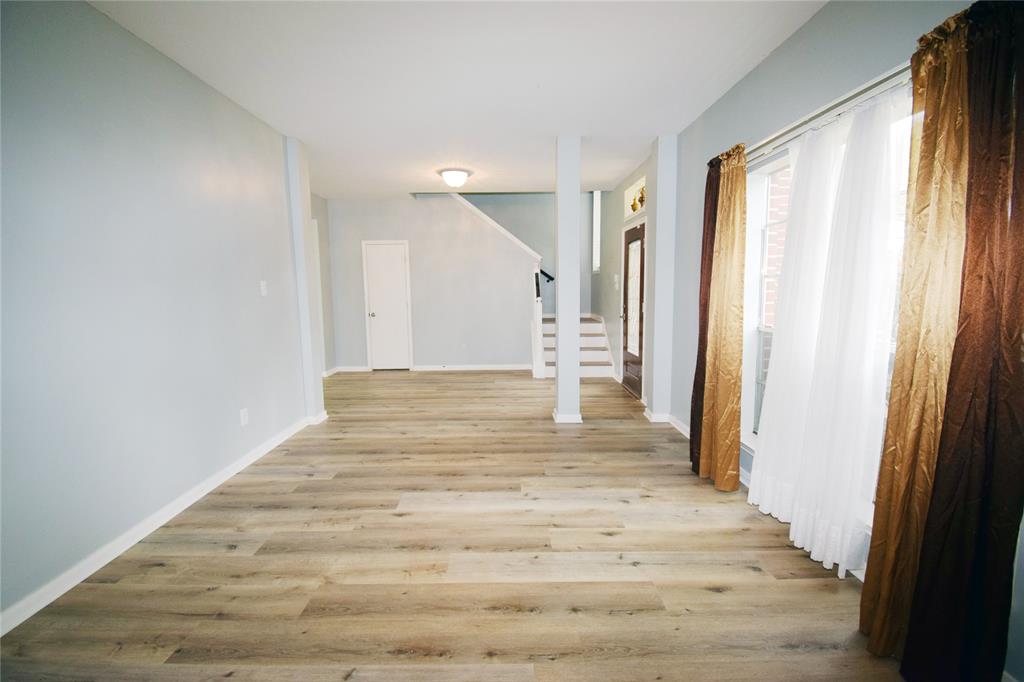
x=454 y=177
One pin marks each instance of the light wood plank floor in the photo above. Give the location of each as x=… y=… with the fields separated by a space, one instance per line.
x=440 y=528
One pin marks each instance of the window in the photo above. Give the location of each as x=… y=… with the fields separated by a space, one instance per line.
x=775 y=218
x=837 y=241
x=596 y=233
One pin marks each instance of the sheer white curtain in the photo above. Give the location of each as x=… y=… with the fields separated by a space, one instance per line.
x=823 y=415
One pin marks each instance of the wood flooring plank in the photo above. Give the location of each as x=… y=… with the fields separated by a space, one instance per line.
x=485 y=599
x=458 y=521
x=645 y=539
x=715 y=595
x=491 y=672
x=164 y=602
x=817 y=667
x=606 y=566
x=330 y=543
x=378 y=641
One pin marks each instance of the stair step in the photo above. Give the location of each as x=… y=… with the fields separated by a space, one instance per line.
x=585 y=328
x=551 y=335
x=583 y=318
x=582 y=347
x=593 y=341
x=585 y=363
x=595 y=355
x=586 y=355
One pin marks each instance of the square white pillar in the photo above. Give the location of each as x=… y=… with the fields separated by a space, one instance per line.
x=664 y=257
x=305 y=251
x=567 y=283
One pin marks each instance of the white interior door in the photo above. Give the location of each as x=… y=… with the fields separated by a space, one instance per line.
x=386 y=269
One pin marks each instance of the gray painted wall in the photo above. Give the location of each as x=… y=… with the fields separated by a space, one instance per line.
x=843 y=46
x=319 y=210
x=471 y=286
x=606 y=286
x=141 y=208
x=530 y=216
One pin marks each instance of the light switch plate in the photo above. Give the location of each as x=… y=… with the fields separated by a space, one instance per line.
x=263 y=287
x=243 y=416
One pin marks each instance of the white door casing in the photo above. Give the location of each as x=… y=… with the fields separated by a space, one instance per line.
x=388 y=304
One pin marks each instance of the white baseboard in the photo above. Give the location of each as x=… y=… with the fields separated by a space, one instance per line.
x=566 y=418
x=472 y=368
x=679 y=426
x=21 y=610
x=656 y=418
x=685 y=430
x=318 y=419
x=353 y=368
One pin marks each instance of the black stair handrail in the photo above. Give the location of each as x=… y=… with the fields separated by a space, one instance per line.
x=536 y=281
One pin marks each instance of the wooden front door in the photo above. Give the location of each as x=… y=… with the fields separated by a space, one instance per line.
x=633 y=310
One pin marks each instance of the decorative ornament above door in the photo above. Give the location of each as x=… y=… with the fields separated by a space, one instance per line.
x=635 y=198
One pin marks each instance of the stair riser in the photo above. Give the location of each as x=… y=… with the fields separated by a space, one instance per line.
x=602 y=371
x=585 y=328
x=586 y=343
x=585 y=355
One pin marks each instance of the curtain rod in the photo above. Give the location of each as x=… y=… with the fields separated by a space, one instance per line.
x=891 y=79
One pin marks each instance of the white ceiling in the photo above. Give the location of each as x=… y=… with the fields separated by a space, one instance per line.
x=386 y=93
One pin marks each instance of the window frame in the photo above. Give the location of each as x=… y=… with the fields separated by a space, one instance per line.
x=761 y=173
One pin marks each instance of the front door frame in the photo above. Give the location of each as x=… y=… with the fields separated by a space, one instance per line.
x=637 y=222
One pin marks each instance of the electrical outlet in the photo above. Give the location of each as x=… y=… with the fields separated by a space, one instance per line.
x=243 y=416
x=263 y=287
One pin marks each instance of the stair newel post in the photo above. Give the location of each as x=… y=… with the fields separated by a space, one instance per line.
x=537 y=326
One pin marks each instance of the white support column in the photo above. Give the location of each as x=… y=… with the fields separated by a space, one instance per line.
x=567 y=284
x=305 y=252
x=660 y=395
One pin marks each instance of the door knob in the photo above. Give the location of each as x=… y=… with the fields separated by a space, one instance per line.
x=373 y=314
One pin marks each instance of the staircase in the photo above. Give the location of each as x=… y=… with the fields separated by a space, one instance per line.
x=595 y=358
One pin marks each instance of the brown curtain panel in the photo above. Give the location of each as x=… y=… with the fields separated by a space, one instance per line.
x=720 y=422
x=706 y=261
x=958 y=621
x=930 y=290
